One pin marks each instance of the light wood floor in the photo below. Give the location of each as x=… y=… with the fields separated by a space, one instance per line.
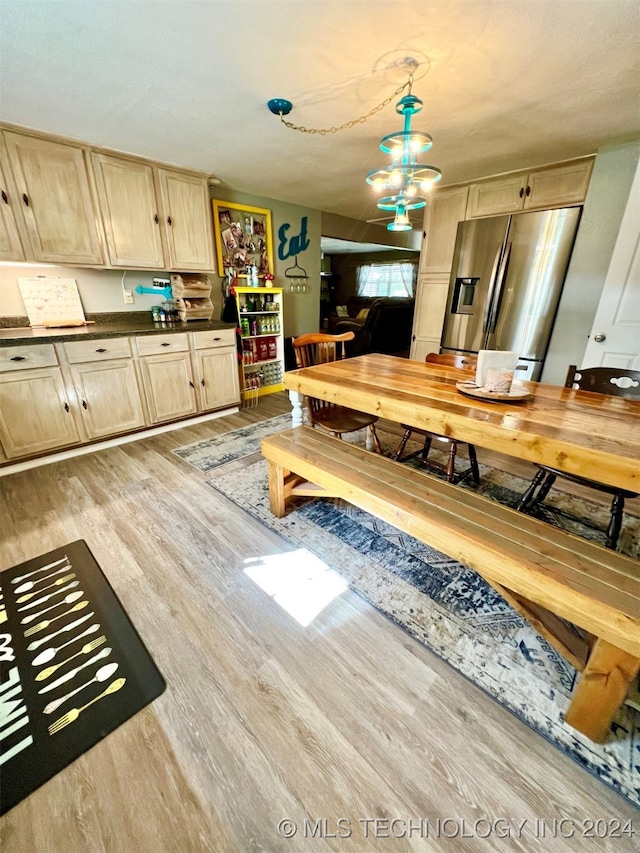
x=264 y=720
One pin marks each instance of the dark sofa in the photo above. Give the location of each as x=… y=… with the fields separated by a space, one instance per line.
x=387 y=328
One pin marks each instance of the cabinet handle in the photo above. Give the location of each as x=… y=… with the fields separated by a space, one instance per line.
x=101 y=349
x=217 y=339
x=25 y=199
x=84 y=404
x=66 y=407
x=165 y=344
x=169 y=220
x=528 y=190
x=191 y=383
x=18 y=358
x=521 y=193
x=4 y=197
x=202 y=382
x=155 y=219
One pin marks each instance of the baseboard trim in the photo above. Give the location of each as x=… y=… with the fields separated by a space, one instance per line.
x=82 y=450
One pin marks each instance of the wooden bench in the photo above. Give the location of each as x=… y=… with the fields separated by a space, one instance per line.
x=547 y=574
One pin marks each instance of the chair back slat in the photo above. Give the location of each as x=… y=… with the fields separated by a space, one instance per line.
x=318 y=348
x=615 y=381
x=450 y=359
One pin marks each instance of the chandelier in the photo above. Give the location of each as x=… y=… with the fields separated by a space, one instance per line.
x=404 y=179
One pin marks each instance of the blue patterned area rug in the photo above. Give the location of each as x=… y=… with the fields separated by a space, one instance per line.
x=440 y=602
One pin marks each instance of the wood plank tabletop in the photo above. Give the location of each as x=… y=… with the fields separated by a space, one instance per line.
x=592 y=435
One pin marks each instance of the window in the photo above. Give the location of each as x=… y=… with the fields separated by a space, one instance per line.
x=391 y=279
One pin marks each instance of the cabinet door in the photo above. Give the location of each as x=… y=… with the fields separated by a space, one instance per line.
x=169 y=386
x=217 y=377
x=558 y=187
x=445 y=209
x=57 y=206
x=109 y=396
x=10 y=243
x=130 y=212
x=431 y=304
x=490 y=198
x=187 y=219
x=34 y=412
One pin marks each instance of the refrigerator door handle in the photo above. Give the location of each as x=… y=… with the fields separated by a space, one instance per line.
x=492 y=287
x=495 y=302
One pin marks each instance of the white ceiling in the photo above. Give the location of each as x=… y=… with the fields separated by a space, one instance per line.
x=505 y=84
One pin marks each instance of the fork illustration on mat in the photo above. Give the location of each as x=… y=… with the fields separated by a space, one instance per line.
x=72 y=715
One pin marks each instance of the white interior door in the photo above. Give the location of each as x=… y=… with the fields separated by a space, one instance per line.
x=615 y=337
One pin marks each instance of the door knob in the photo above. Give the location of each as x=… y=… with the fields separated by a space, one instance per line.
x=599 y=338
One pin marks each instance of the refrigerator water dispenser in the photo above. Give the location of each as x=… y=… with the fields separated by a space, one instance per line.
x=464 y=291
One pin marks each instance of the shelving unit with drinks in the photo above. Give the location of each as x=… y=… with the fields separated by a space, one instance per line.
x=260 y=315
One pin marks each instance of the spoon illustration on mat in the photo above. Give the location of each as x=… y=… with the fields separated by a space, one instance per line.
x=31 y=595
x=104 y=673
x=88 y=647
x=43 y=569
x=46 y=622
x=49 y=654
x=68 y=599
x=30 y=584
x=69 y=675
x=44 y=598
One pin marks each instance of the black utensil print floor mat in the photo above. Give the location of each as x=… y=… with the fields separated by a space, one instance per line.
x=72 y=667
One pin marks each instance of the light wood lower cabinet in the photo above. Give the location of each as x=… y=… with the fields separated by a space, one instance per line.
x=108 y=397
x=35 y=415
x=56 y=396
x=167 y=377
x=216 y=367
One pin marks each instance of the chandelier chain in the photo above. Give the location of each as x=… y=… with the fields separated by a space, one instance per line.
x=348 y=124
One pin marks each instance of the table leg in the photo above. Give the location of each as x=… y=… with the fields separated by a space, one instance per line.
x=296 y=408
x=601 y=690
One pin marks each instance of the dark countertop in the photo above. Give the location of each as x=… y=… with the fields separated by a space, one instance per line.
x=106 y=326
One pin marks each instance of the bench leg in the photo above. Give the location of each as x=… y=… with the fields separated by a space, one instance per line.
x=601 y=690
x=276 y=489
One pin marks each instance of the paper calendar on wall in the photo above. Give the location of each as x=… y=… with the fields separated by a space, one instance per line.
x=51 y=300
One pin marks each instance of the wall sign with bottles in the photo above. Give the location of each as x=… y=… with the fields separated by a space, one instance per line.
x=260 y=316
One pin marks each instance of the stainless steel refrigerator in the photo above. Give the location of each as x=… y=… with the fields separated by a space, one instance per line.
x=508 y=273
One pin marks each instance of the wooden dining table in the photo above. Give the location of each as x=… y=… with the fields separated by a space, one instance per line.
x=590 y=435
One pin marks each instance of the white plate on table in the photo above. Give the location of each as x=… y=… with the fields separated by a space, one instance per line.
x=515 y=395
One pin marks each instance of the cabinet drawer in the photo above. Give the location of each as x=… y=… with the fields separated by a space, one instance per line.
x=23 y=358
x=97 y=350
x=155 y=344
x=215 y=338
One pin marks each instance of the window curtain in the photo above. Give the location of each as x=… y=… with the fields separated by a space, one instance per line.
x=392 y=279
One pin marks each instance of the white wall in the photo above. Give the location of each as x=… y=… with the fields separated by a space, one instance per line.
x=100 y=290
x=604 y=206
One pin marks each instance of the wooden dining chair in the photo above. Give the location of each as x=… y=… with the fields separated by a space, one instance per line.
x=320 y=348
x=617 y=382
x=461 y=362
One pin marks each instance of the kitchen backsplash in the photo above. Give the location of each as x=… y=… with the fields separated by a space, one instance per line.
x=100 y=290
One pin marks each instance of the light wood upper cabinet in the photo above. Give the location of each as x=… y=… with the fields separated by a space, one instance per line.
x=560 y=186
x=445 y=209
x=10 y=243
x=154 y=218
x=130 y=212
x=556 y=186
x=187 y=221
x=57 y=211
